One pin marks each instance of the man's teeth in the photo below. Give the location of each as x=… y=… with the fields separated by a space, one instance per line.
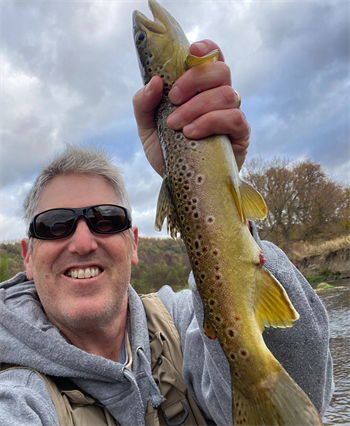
x=83 y=273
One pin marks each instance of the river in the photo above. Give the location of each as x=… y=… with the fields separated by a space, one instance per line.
x=337 y=303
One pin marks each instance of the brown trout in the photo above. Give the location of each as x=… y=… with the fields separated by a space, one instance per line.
x=205 y=201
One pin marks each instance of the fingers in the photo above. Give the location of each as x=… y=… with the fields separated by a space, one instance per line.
x=230 y=121
x=145 y=101
x=203 y=47
x=220 y=98
x=199 y=79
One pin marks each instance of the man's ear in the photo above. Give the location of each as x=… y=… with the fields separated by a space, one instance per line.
x=27 y=258
x=134 y=258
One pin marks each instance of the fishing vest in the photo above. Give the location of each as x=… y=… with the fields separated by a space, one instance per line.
x=75 y=408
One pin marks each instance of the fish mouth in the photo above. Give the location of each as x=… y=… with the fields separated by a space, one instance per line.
x=160 y=24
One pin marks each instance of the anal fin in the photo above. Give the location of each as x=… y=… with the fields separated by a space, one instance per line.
x=165 y=209
x=208 y=328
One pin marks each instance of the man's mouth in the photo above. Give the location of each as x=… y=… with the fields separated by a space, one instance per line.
x=83 y=273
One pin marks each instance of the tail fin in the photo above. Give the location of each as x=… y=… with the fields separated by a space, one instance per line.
x=285 y=404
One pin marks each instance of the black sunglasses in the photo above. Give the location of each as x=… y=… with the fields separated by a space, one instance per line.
x=59 y=223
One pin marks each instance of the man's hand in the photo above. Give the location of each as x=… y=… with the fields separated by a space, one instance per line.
x=207 y=105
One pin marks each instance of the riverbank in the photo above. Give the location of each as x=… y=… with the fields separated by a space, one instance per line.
x=327 y=266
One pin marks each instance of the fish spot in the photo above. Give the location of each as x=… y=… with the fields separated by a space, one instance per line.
x=196 y=215
x=200 y=179
x=189 y=174
x=217 y=268
x=212 y=302
x=196 y=244
x=230 y=332
x=193 y=144
x=196 y=262
x=184 y=167
x=188 y=228
x=203 y=276
x=237 y=318
x=210 y=220
x=233 y=357
x=215 y=252
x=204 y=249
x=187 y=187
x=194 y=200
x=243 y=353
x=218 y=319
x=217 y=277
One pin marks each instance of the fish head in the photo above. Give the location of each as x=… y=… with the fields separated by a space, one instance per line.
x=161 y=45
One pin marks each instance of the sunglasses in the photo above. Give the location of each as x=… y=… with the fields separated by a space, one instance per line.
x=60 y=223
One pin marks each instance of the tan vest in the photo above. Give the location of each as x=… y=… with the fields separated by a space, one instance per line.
x=74 y=408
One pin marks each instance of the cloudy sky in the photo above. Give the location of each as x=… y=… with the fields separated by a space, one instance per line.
x=69 y=72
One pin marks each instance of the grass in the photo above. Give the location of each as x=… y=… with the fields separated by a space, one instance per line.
x=305 y=249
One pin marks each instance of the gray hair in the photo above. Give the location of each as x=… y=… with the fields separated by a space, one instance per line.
x=76 y=159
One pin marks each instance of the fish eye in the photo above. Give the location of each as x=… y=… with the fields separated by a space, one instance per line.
x=140 y=36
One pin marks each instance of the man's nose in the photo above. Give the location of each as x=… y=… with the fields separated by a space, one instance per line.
x=83 y=239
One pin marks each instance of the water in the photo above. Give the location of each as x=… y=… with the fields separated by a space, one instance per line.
x=337 y=302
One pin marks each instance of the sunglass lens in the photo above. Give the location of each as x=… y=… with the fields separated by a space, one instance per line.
x=54 y=224
x=107 y=219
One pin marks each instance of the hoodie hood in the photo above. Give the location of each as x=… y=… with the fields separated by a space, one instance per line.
x=28 y=338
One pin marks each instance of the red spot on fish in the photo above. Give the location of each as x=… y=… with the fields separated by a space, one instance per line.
x=215 y=252
x=237 y=318
x=217 y=277
x=243 y=353
x=231 y=333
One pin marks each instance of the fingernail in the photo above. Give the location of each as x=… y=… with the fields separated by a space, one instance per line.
x=189 y=130
x=148 y=87
x=174 y=120
x=175 y=95
x=201 y=46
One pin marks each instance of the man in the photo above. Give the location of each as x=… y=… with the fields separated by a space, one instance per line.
x=73 y=313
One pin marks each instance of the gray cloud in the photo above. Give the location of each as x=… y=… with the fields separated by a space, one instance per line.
x=69 y=72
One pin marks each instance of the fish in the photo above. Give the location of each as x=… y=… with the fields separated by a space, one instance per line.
x=205 y=202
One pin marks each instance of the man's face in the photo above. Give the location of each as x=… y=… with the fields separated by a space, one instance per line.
x=81 y=303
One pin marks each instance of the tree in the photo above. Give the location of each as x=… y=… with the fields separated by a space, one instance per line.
x=304 y=204
x=4 y=266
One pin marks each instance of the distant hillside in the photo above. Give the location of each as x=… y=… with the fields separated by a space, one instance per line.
x=161 y=262
x=165 y=262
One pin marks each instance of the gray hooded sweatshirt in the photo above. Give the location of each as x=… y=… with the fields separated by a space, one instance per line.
x=29 y=339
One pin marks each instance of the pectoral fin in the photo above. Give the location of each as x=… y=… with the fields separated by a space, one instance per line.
x=253 y=204
x=195 y=61
x=208 y=328
x=272 y=304
x=165 y=209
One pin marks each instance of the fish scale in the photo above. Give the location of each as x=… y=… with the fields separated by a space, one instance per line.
x=203 y=199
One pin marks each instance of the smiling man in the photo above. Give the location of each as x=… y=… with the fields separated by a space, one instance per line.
x=79 y=346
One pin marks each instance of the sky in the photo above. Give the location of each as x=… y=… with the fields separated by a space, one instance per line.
x=69 y=72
